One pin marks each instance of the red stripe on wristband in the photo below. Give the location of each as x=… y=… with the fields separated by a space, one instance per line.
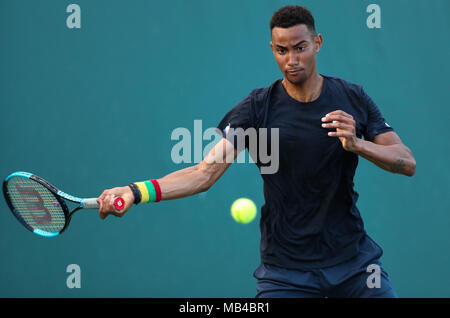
x=157 y=189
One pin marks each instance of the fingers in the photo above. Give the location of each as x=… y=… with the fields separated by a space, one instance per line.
x=340 y=125
x=106 y=202
x=105 y=206
x=345 y=127
x=338 y=113
x=343 y=122
x=342 y=117
x=345 y=134
x=101 y=201
x=104 y=194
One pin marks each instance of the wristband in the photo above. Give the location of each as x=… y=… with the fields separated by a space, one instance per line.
x=144 y=192
x=151 y=191
x=136 y=193
x=157 y=189
x=147 y=191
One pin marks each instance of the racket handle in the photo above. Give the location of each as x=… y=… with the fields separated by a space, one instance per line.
x=91 y=203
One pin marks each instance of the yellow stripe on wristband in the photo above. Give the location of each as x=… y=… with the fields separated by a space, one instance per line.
x=144 y=192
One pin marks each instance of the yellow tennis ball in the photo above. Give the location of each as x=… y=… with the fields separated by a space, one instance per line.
x=243 y=210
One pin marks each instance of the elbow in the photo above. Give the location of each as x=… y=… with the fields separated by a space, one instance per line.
x=412 y=168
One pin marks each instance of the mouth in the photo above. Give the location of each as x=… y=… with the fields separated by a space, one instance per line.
x=294 y=71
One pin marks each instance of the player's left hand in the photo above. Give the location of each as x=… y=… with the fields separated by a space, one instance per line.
x=345 y=129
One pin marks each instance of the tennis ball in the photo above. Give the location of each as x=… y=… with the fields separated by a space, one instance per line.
x=243 y=210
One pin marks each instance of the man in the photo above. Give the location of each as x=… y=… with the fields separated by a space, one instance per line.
x=313 y=241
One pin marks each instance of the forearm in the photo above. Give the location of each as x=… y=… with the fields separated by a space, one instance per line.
x=182 y=183
x=395 y=158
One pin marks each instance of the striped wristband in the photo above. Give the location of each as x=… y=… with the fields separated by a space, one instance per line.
x=150 y=191
x=136 y=193
x=157 y=190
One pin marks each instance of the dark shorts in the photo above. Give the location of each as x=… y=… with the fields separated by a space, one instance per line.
x=362 y=276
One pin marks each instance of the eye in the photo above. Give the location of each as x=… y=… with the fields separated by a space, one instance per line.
x=281 y=51
x=301 y=48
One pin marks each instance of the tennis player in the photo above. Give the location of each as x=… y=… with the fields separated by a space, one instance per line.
x=313 y=240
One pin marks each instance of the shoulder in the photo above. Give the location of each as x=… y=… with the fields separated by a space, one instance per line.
x=258 y=101
x=340 y=85
x=262 y=92
x=349 y=91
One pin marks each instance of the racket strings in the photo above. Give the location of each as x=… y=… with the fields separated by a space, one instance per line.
x=35 y=204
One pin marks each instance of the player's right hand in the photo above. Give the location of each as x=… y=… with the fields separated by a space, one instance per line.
x=106 y=201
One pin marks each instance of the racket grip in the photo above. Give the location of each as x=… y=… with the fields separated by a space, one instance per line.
x=91 y=203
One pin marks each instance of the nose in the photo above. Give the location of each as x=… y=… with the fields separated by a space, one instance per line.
x=292 y=59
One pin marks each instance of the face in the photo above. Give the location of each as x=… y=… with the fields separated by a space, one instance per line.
x=295 y=50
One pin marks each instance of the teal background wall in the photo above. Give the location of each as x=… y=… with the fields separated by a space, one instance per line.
x=94 y=108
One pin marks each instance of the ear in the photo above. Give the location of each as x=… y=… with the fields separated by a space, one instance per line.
x=272 y=47
x=318 y=40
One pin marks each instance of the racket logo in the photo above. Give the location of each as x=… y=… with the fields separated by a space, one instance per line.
x=119 y=203
x=29 y=197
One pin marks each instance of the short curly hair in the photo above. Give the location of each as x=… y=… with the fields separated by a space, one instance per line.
x=292 y=15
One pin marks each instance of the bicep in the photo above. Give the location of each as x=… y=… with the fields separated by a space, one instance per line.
x=387 y=139
x=390 y=138
x=221 y=156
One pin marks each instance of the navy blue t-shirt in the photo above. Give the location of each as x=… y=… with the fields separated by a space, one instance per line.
x=309 y=219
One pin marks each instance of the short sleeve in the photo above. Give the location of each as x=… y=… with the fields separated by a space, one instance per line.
x=376 y=124
x=240 y=116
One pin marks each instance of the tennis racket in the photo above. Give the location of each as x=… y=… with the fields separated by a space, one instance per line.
x=41 y=207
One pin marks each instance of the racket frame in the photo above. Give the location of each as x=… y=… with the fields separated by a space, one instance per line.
x=58 y=194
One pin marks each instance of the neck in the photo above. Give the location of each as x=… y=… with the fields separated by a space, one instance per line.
x=306 y=91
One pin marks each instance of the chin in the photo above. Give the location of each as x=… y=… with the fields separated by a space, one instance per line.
x=296 y=80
